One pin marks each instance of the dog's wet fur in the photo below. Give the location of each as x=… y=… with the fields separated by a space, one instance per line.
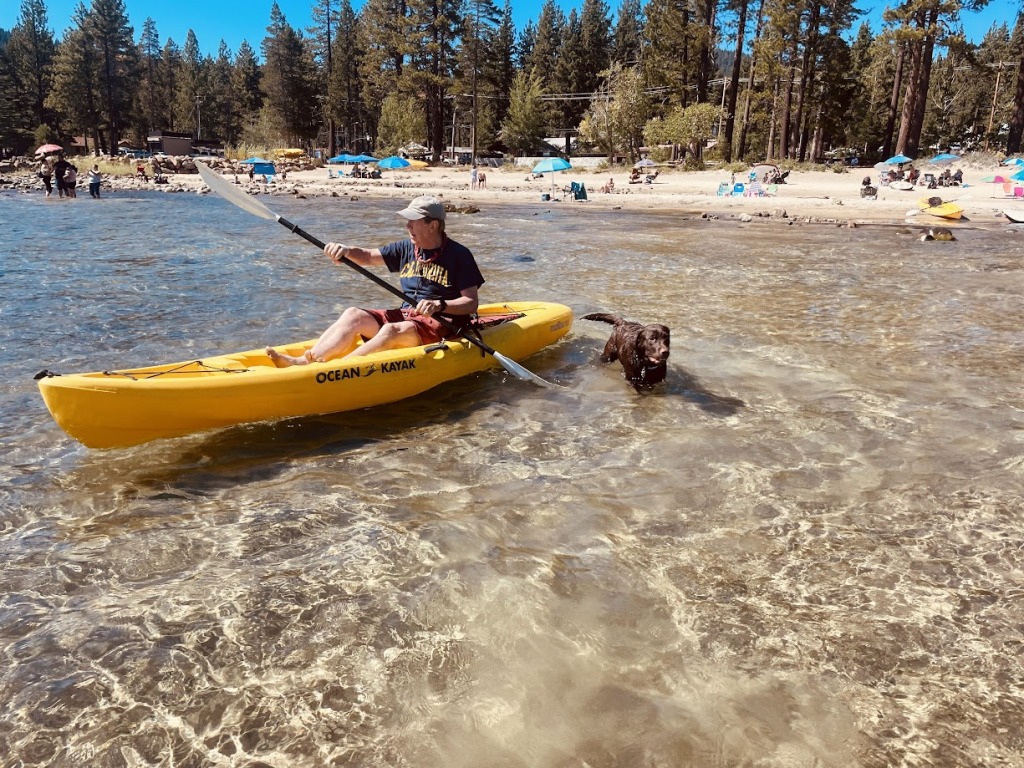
x=641 y=349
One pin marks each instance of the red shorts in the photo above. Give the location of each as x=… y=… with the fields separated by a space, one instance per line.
x=430 y=331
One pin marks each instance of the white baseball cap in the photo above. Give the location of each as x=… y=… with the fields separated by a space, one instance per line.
x=425 y=207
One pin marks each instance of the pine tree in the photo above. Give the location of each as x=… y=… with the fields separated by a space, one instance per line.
x=220 y=119
x=525 y=45
x=1016 y=124
x=434 y=26
x=569 y=75
x=596 y=42
x=527 y=117
x=500 y=64
x=245 y=86
x=628 y=34
x=170 y=70
x=344 y=98
x=543 y=55
x=323 y=33
x=387 y=37
x=30 y=51
x=668 y=53
x=75 y=94
x=115 y=48
x=191 y=88
x=147 y=111
x=288 y=82
x=479 y=25
x=13 y=131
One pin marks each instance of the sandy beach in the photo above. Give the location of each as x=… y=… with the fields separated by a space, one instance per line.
x=818 y=196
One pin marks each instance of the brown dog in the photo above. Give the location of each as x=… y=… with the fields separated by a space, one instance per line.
x=642 y=350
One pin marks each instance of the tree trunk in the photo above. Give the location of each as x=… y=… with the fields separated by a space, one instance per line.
x=806 y=81
x=910 y=97
x=734 y=84
x=894 y=102
x=769 y=152
x=785 y=119
x=704 y=55
x=750 y=86
x=1013 y=139
x=924 y=80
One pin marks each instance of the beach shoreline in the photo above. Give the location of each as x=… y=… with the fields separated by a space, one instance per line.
x=809 y=196
x=812 y=196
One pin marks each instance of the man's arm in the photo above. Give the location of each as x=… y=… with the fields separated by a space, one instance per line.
x=362 y=256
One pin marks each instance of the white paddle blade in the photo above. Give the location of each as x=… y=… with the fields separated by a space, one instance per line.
x=229 y=192
x=521 y=373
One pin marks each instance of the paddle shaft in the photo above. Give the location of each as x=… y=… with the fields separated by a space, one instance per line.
x=382 y=283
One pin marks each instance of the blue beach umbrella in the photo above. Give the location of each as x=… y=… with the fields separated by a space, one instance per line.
x=254 y=160
x=551 y=165
x=364 y=159
x=1018 y=176
x=896 y=159
x=944 y=157
x=394 y=162
x=342 y=158
x=1014 y=161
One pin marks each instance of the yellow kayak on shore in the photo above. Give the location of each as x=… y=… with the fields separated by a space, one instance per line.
x=935 y=207
x=113 y=409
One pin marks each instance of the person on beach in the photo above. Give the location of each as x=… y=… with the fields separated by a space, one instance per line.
x=439 y=274
x=45 y=173
x=472 y=177
x=95 y=178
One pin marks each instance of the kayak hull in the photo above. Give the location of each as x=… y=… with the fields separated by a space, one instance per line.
x=942 y=210
x=115 y=409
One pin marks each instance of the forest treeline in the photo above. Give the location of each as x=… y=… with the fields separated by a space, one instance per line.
x=775 y=79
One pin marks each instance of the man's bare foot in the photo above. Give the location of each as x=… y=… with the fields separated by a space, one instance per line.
x=281 y=360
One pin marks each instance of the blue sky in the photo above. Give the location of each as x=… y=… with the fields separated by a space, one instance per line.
x=237 y=20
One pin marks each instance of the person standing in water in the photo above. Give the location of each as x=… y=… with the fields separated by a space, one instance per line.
x=94 y=181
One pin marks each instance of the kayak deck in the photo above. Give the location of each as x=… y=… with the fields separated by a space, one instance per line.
x=107 y=409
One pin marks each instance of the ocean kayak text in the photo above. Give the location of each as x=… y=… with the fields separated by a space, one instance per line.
x=354 y=373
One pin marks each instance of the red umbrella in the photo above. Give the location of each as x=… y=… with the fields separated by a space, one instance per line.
x=46 y=149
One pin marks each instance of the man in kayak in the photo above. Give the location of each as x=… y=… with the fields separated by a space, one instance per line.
x=438 y=273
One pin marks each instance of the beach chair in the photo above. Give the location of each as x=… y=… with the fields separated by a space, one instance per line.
x=771 y=190
x=1018 y=191
x=738 y=188
x=578 y=190
x=723 y=188
x=754 y=189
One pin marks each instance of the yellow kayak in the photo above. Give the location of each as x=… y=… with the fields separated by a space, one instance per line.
x=112 y=409
x=935 y=207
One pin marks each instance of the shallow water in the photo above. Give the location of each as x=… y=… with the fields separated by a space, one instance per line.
x=804 y=550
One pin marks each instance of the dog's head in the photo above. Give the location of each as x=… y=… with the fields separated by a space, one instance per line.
x=653 y=344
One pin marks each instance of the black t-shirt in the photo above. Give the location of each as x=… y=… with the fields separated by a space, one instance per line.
x=443 y=273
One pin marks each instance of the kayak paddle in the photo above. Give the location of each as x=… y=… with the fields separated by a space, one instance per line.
x=248 y=203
